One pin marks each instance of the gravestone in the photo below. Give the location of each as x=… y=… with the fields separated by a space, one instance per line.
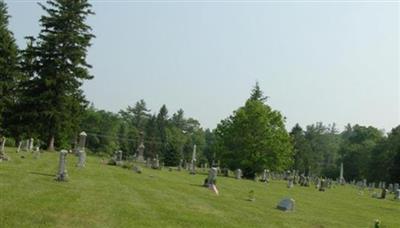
x=212 y=177
x=341 y=178
x=119 y=161
x=396 y=187
x=81 y=150
x=26 y=145
x=390 y=188
x=397 y=195
x=62 y=174
x=140 y=151
x=322 y=185
x=30 y=149
x=19 y=146
x=148 y=163
x=264 y=177
x=193 y=163
x=384 y=192
x=286 y=204
x=156 y=163
x=238 y=174
x=290 y=181
x=3 y=155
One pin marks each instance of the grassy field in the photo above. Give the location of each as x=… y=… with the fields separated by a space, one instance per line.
x=109 y=196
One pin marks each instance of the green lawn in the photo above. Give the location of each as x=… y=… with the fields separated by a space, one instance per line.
x=109 y=196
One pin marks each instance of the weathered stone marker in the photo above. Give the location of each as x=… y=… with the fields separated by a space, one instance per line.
x=19 y=146
x=341 y=180
x=140 y=151
x=286 y=205
x=30 y=147
x=238 y=174
x=397 y=196
x=62 y=166
x=3 y=155
x=81 y=149
x=193 y=163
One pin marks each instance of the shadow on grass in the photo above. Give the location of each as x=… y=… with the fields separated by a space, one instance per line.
x=42 y=174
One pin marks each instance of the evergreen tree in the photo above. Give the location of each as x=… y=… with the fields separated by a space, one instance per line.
x=9 y=69
x=257 y=94
x=61 y=47
x=254 y=138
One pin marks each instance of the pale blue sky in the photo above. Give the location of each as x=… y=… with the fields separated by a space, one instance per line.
x=330 y=62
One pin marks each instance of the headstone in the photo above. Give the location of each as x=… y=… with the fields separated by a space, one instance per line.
x=31 y=145
x=156 y=163
x=26 y=145
x=148 y=163
x=238 y=174
x=62 y=166
x=322 y=185
x=341 y=178
x=118 y=155
x=396 y=187
x=19 y=146
x=397 y=195
x=286 y=204
x=193 y=163
x=212 y=177
x=81 y=149
x=264 y=177
x=3 y=155
x=290 y=181
x=390 y=188
x=140 y=151
x=384 y=192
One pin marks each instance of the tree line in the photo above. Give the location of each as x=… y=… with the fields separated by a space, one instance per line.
x=41 y=98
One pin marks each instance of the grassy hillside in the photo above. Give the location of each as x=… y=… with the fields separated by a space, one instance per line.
x=108 y=196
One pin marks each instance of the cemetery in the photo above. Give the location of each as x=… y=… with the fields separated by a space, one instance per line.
x=113 y=196
x=280 y=113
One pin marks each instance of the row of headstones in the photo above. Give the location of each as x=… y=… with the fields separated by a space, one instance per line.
x=392 y=188
x=28 y=148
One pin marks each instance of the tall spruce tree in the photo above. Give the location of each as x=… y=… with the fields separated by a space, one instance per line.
x=9 y=70
x=61 y=48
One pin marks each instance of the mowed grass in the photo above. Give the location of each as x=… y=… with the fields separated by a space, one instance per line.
x=109 y=196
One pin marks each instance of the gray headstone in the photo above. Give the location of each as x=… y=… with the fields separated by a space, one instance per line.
x=397 y=195
x=81 y=150
x=140 y=151
x=31 y=140
x=212 y=176
x=286 y=204
x=19 y=146
x=3 y=155
x=62 y=174
x=238 y=174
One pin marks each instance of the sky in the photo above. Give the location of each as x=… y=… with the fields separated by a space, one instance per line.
x=331 y=62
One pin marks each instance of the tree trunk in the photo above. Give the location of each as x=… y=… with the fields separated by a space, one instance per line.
x=50 y=146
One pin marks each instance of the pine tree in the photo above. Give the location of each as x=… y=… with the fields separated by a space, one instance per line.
x=9 y=70
x=257 y=94
x=61 y=48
